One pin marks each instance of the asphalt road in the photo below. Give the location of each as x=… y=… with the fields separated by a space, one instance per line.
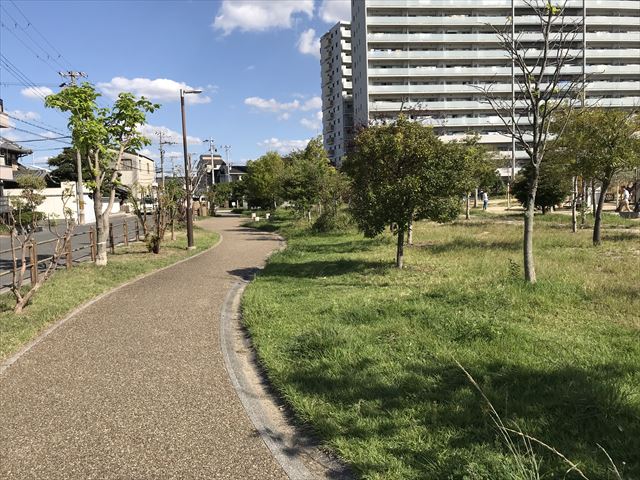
x=80 y=245
x=135 y=386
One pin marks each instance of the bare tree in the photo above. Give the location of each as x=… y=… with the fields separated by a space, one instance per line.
x=543 y=86
x=23 y=225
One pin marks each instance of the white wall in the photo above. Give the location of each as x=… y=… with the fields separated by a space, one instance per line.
x=53 y=204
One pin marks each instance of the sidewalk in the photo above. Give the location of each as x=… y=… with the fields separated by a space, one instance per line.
x=135 y=387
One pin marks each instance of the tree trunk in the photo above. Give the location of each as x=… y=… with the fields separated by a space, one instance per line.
x=400 y=249
x=593 y=197
x=583 y=204
x=475 y=199
x=597 y=224
x=410 y=232
x=466 y=207
x=529 y=265
x=101 y=234
x=574 y=197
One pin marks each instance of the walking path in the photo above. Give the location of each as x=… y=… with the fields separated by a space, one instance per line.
x=135 y=387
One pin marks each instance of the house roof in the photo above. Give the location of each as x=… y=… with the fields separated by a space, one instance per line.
x=6 y=144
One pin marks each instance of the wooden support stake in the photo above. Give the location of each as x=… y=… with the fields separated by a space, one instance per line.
x=137 y=231
x=34 y=262
x=126 y=233
x=69 y=255
x=113 y=244
x=92 y=241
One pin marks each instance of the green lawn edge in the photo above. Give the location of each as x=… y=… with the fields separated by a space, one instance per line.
x=331 y=322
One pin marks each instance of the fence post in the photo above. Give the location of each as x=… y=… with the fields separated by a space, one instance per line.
x=92 y=241
x=126 y=233
x=137 y=231
x=69 y=255
x=113 y=244
x=34 y=262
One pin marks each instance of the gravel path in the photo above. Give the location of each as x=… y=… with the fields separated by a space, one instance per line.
x=134 y=386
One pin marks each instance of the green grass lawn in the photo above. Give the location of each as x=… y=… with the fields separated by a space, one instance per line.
x=67 y=290
x=365 y=353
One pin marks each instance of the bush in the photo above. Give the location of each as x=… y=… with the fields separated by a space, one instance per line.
x=332 y=221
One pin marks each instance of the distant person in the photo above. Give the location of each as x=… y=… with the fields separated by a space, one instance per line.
x=485 y=200
x=626 y=195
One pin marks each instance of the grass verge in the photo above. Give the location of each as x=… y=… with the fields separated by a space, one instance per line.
x=365 y=353
x=67 y=290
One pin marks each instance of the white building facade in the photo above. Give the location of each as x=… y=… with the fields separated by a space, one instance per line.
x=430 y=56
x=337 y=102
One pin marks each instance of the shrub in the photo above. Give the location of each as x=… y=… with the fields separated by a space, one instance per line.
x=332 y=221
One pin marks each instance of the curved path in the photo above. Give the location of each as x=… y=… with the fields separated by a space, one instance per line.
x=135 y=387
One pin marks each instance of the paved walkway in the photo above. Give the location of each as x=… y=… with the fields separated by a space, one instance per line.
x=134 y=387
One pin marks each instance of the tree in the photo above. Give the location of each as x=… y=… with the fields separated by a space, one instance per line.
x=305 y=176
x=554 y=183
x=23 y=224
x=603 y=143
x=264 y=180
x=543 y=86
x=101 y=136
x=63 y=166
x=218 y=195
x=401 y=171
x=477 y=167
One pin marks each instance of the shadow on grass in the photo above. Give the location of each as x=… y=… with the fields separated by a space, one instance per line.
x=326 y=268
x=570 y=408
x=461 y=244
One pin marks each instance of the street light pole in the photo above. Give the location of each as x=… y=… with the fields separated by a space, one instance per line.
x=187 y=170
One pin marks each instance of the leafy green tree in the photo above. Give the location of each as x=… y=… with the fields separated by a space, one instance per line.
x=101 y=136
x=305 y=177
x=602 y=142
x=218 y=195
x=554 y=183
x=477 y=167
x=263 y=181
x=399 y=172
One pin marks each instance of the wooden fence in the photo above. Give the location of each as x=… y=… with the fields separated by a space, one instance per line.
x=80 y=247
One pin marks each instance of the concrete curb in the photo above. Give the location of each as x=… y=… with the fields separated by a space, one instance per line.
x=49 y=330
x=298 y=454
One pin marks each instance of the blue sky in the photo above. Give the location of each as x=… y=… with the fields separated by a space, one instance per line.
x=256 y=60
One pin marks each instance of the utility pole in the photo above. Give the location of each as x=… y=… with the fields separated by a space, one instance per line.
x=227 y=148
x=72 y=76
x=212 y=148
x=162 y=152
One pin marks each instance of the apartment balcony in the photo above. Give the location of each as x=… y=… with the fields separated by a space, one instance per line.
x=491 y=54
x=603 y=87
x=4 y=120
x=494 y=4
x=435 y=72
x=490 y=38
x=498 y=21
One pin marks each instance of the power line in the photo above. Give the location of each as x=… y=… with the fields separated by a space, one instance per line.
x=17 y=73
x=45 y=127
x=41 y=136
x=23 y=84
x=42 y=139
x=24 y=30
x=27 y=46
x=29 y=24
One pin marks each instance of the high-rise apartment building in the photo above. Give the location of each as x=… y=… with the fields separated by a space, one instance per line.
x=337 y=103
x=430 y=56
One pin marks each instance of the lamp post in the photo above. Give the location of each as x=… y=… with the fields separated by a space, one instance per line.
x=187 y=170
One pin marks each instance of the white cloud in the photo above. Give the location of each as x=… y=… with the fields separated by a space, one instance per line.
x=311 y=104
x=283 y=109
x=259 y=15
x=150 y=131
x=161 y=89
x=309 y=44
x=36 y=92
x=332 y=11
x=271 y=105
x=283 y=146
x=314 y=123
x=24 y=115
